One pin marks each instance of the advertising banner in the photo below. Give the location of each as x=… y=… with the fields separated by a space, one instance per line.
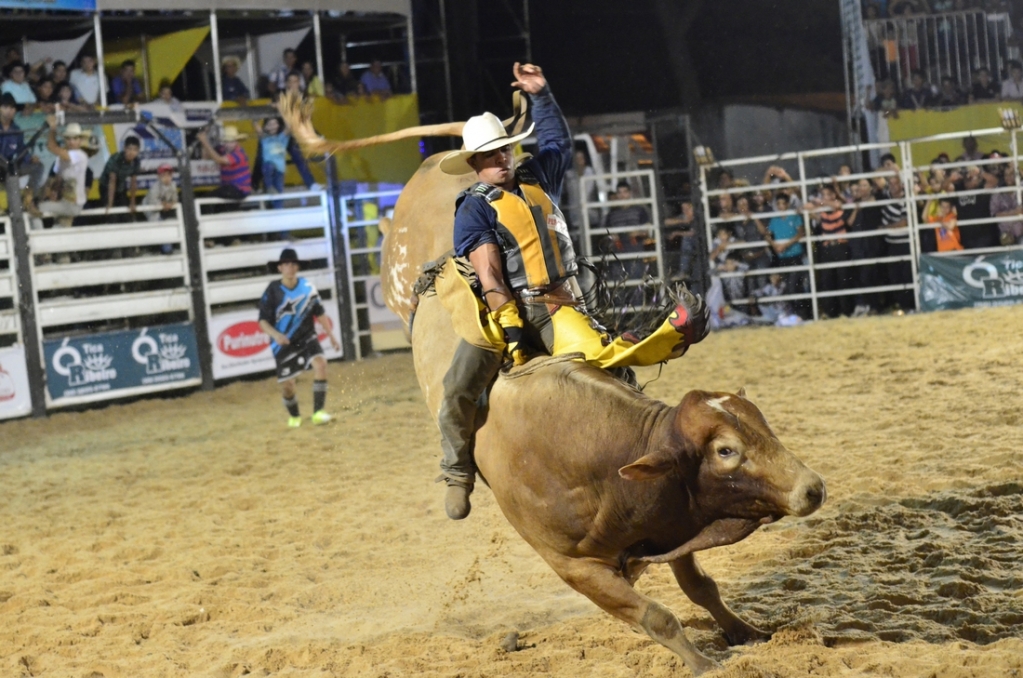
x=71 y=5
x=240 y=347
x=15 y=400
x=153 y=151
x=114 y=364
x=971 y=281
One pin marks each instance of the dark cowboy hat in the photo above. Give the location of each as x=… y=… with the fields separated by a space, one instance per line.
x=288 y=256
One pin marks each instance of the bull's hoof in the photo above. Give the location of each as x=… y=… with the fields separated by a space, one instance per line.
x=746 y=635
x=702 y=665
x=456 y=501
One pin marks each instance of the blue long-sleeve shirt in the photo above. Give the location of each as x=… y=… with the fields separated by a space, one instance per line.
x=12 y=141
x=475 y=221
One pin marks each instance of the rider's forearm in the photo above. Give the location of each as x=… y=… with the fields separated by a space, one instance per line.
x=486 y=259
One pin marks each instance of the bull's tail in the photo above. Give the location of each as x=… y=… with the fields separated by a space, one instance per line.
x=297 y=115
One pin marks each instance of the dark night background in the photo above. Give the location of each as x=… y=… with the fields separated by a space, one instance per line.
x=606 y=56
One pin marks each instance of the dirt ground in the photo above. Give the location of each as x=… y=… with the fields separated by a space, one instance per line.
x=196 y=536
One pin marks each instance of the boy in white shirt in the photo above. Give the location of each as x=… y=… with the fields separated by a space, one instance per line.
x=70 y=166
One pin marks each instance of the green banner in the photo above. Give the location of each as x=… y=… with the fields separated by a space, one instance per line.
x=971 y=281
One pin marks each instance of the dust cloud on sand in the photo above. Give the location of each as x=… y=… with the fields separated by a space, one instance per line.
x=195 y=536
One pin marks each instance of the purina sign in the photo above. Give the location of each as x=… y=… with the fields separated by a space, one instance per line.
x=15 y=400
x=240 y=347
x=114 y=364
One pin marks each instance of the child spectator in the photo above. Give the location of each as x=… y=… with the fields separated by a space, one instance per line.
x=65 y=98
x=232 y=87
x=166 y=96
x=59 y=74
x=120 y=177
x=983 y=88
x=235 y=173
x=44 y=95
x=273 y=147
x=374 y=82
x=313 y=84
x=295 y=84
x=777 y=312
x=278 y=78
x=164 y=194
x=947 y=233
x=126 y=88
x=833 y=222
x=785 y=233
x=86 y=81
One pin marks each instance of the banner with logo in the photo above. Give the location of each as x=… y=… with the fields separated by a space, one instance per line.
x=971 y=281
x=115 y=364
x=240 y=347
x=71 y=5
x=15 y=400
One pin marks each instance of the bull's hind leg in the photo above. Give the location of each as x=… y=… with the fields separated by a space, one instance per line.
x=702 y=590
x=606 y=587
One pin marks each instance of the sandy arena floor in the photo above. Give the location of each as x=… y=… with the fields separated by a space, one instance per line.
x=195 y=536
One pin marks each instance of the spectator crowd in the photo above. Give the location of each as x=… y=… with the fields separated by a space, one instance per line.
x=969 y=203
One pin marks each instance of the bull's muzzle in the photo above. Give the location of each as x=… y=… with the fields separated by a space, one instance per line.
x=808 y=495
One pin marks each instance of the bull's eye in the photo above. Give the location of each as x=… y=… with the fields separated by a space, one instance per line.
x=726 y=453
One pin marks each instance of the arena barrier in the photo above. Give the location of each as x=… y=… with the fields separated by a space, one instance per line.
x=374 y=326
x=238 y=240
x=627 y=253
x=15 y=398
x=904 y=248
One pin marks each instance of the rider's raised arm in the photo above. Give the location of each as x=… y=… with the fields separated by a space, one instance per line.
x=554 y=141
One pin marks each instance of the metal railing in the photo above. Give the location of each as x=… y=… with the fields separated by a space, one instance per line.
x=916 y=193
x=627 y=253
x=10 y=323
x=954 y=44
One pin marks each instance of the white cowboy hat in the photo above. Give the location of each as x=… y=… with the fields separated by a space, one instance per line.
x=75 y=130
x=231 y=134
x=481 y=133
x=230 y=58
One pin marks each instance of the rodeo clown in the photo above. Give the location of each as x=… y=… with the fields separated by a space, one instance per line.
x=515 y=237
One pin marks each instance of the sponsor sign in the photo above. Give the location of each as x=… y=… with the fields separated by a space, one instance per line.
x=971 y=281
x=72 y=5
x=240 y=347
x=179 y=128
x=150 y=359
x=15 y=400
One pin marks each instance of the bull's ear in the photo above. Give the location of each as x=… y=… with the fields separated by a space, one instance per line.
x=647 y=467
x=742 y=392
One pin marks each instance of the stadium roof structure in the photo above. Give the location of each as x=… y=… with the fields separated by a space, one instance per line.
x=403 y=7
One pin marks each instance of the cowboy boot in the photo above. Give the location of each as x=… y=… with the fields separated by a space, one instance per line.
x=456 y=500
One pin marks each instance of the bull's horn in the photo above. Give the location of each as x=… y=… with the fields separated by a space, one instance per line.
x=297 y=116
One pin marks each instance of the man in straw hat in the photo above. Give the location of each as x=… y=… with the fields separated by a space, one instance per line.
x=510 y=228
x=71 y=165
x=235 y=173
x=231 y=85
x=287 y=312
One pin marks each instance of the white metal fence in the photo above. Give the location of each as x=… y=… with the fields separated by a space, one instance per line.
x=903 y=244
x=10 y=323
x=954 y=44
x=623 y=236
x=373 y=325
x=238 y=242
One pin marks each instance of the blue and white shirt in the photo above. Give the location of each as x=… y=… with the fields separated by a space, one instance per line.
x=291 y=311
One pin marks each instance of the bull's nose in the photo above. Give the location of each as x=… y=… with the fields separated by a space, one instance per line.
x=817 y=494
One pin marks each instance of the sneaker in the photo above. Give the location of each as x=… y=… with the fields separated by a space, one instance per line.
x=294 y=422
x=861 y=311
x=320 y=417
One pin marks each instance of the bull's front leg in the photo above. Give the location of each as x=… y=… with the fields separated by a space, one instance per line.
x=606 y=587
x=702 y=590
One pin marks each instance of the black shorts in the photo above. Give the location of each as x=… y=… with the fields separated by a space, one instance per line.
x=294 y=359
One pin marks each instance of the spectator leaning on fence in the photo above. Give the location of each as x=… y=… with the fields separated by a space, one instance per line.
x=120 y=176
x=162 y=194
x=235 y=173
x=976 y=206
x=786 y=233
x=947 y=233
x=1007 y=205
x=86 y=81
x=126 y=88
x=833 y=222
x=919 y=95
x=279 y=76
x=374 y=82
x=16 y=85
x=893 y=218
x=1012 y=88
x=313 y=86
x=231 y=86
x=984 y=88
x=345 y=85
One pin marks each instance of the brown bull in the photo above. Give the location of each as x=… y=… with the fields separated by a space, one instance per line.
x=600 y=479
x=603 y=480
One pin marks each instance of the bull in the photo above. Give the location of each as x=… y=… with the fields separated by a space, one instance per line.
x=600 y=479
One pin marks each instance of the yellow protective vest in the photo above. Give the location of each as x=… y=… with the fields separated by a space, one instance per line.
x=533 y=235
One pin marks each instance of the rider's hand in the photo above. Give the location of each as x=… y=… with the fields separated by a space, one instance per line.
x=507 y=316
x=528 y=78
